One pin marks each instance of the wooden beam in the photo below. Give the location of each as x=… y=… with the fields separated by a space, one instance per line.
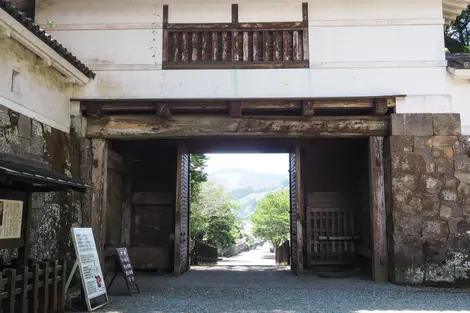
x=308 y=108
x=236 y=109
x=381 y=106
x=377 y=207
x=163 y=109
x=190 y=126
x=300 y=210
x=99 y=188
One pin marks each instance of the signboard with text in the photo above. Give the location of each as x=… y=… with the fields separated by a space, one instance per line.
x=11 y=218
x=90 y=268
x=127 y=270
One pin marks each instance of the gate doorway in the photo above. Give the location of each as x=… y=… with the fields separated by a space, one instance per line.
x=332 y=194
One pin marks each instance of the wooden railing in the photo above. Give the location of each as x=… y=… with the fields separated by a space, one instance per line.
x=39 y=288
x=235 y=45
x=202 y=253
x=283 y=254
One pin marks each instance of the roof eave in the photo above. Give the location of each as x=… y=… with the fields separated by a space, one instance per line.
x=9 y=27
x=453 y=8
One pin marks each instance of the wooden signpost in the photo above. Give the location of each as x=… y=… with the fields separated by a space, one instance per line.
x=90 y=268
x=127 y=271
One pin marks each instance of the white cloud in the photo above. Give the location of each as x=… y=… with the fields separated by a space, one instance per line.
x=260 y=163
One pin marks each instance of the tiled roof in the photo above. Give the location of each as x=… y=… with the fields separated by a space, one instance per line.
x=458 y=60
x=28 y=23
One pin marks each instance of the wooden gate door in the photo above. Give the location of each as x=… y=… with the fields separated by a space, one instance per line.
x=330 y=230
x=296 y=208
x=181 y=261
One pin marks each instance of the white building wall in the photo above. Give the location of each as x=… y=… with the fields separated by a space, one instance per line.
x=37 y=92
x=357 y=48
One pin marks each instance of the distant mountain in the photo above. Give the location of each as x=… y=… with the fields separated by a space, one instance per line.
x=248 y=187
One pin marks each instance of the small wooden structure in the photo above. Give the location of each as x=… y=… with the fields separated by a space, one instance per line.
x=283 y=254
x=39 y=286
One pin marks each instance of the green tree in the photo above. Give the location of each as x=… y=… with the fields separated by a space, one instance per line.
x=213 y=216
x=198 y=176
x=457 y=34
x=271 y=218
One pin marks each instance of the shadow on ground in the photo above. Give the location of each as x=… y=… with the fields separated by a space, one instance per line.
x=260 y=289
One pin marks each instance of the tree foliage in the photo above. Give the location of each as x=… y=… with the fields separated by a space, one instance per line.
x=271 y=218
x=213 y=217
x=457 y=34
x=198 y=176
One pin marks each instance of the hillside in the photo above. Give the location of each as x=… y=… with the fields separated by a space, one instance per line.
x=248 y=187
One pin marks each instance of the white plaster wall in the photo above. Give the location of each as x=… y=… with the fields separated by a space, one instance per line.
x=39 y=93
x=459 y=91
x=357 y=47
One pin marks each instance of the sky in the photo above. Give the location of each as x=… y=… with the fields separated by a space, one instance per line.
x=259 y=163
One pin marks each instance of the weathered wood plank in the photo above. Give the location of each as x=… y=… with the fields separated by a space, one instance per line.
x=377 y=207
x=236 y=109
x=305 y=44
x=195 y=38
x=257 y=50
x=234 y=14
x=308 y=108
x=300 y=210
x=344 y=104
x=146 y=126
x=205 y=46
x=286 y=48
x=277 y=46
x=381 y=106
x=232 y=65
x=176 y=47
x=215 y=46
x=246 y=46
x=296 y=46
x=185 y=47
x=99 y=188
x=305 y=13
x=225 y=46
x=266 y=54
x=236 y=46
x=126 y=205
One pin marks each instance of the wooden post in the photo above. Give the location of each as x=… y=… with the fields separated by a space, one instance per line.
x=24 y=290
x=35 y=293
x=99 y=174
x=126 y=200
x=305 y=31
x=177 y=257
x=300 y=210
x=377 y=208
x=23 y=252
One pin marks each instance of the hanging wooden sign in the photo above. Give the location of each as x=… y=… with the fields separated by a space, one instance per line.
x=90 y=268
x=127 y=270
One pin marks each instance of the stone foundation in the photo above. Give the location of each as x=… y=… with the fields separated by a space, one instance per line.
x=428 y=199
x=54 y=213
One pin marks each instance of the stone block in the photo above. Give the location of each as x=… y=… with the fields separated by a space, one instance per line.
x=422 y=143
x=430 y=206
x=460 y=148
x=415 y=163
x=443 y=141
x=407 y=224
x=434 y=249
x=407 y=248
x=459 y=225
x=466 y=209
x=464 y=190
x=450 y=182
x=402 y=181
x=449 y=210
x=436 y=273
x=4 y=119
x=445 y=166
x=463 y=176
x=449 y=195
x=430 y=184
x=416 y=124
x=25 y=145
x=446 y=124
x=401 y=143
x=462 y=163
x=445 y=152
x=406 y=201
x=408 y=273
x=435 y=229
x=24 y=126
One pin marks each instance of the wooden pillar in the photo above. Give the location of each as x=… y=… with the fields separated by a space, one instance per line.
x=23 y=252
x=377 y=210
x=126 y=200
x=99 y=174
x=300 y=210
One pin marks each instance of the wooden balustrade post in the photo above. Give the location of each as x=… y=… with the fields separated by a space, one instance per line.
x=10 y=305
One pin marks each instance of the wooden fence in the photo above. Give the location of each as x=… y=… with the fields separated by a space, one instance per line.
x=283 y=254
x=36 y=289
x=202 y=253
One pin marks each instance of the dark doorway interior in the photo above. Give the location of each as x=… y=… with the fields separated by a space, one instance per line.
x=334 y=205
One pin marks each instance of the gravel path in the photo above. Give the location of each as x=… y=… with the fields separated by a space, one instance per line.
x=237 y=289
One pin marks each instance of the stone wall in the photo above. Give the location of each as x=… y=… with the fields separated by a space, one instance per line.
x=54 y=213
x=428 y=199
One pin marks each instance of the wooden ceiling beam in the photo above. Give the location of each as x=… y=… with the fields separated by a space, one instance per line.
x=194 y=126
